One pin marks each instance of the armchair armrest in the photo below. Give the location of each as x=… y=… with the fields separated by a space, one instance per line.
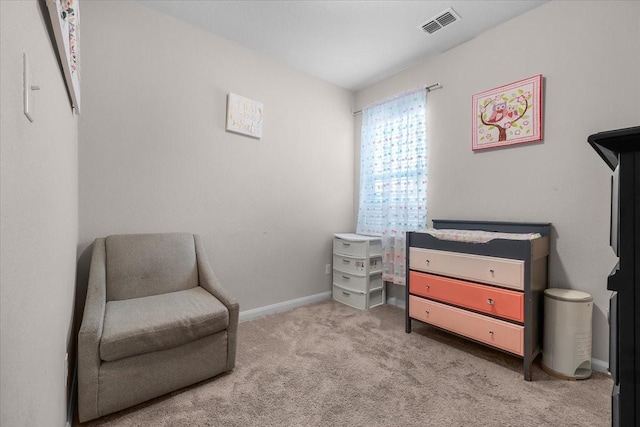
x=208 y=279
x=209 y=282
x=90 y=334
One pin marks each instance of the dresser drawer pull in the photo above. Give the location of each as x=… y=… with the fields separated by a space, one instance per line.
x=490 y=301
x=492 y=272
x=426 y=286
x=346 y=294
x=346 y=244
x=346 y=277
x=346 y=261
x=491 y=332
x=427 y=261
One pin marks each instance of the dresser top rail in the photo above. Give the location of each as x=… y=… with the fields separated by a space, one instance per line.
x=543 y=228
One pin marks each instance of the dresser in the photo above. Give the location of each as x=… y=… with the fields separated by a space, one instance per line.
x=357 y=270
x=489 y=292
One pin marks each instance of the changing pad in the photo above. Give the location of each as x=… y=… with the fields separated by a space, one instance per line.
x=477 y=236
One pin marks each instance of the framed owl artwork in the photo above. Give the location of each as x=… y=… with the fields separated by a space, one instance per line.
x=507 y=115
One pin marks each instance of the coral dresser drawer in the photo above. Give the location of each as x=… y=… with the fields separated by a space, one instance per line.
x=487 y=299
x=497 y=333
x=497 y=271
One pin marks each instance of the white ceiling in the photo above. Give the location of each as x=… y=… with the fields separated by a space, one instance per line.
x=352 y=44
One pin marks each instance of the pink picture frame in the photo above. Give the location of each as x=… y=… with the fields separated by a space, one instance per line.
x=508 y=115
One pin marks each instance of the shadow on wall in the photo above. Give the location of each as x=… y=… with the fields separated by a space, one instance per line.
x=559 y=277
x=82 y=280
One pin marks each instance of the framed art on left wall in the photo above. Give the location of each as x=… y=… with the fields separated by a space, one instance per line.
x=65 y=19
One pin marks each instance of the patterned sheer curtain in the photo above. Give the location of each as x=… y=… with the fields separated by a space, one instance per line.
x=393 y=176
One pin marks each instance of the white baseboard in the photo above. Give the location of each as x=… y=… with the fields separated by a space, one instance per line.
x=283 y=306
x=599 y=365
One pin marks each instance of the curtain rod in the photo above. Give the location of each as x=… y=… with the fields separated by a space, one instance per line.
x=427 y=88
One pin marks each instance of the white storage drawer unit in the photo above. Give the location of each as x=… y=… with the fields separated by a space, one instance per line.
x=357 y=270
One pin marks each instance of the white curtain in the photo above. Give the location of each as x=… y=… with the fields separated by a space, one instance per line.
x=393 y=176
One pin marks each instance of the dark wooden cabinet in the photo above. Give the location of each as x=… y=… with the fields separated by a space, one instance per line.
x=620 y=149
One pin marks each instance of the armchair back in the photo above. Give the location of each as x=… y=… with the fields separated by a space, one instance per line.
x=140 y=265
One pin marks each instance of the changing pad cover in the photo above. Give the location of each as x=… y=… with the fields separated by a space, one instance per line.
x=477 y=236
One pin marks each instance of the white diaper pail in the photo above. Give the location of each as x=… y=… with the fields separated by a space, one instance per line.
x=566 y=351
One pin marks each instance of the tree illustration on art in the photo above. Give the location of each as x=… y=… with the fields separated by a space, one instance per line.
x=506 y=114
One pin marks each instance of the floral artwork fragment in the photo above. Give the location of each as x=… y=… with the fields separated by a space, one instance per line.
x=509 y=114
x=65 y=20
x=68 y=15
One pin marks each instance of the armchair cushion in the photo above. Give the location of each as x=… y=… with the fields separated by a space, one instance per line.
x=139 y=265
x=142 y=325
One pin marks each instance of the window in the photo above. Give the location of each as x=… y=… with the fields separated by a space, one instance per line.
x=393 y=176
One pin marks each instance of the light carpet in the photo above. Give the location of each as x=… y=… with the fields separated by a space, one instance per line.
x=327 y=364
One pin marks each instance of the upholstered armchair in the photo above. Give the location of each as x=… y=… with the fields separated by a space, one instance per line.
x=155 y=320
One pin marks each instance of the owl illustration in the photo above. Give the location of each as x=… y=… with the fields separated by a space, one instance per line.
x=512 y=112
x=498 y=112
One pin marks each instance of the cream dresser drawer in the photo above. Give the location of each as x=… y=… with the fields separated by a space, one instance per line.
x=497 y=333
x=508 y=273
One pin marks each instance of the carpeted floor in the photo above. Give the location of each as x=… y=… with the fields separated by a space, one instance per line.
x=327 y=364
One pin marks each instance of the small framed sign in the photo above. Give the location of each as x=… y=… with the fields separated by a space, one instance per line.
x=244 y=115
x=507 y=115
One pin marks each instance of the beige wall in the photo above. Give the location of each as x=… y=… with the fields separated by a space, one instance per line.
x=39 y=223
x=591 y=84
x=155 y=157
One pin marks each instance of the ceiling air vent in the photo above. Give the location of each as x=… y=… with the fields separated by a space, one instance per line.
x=441 y=20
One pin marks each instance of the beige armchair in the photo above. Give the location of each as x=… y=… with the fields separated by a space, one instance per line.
x=155 y=320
